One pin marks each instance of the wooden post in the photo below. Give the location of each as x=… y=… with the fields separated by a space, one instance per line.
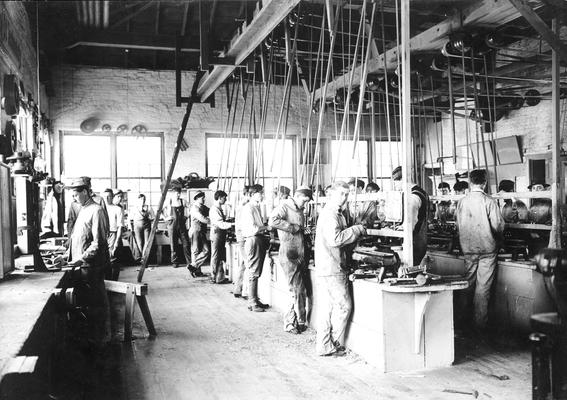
x=555 y=235
x=146 y=251
x=406 y=129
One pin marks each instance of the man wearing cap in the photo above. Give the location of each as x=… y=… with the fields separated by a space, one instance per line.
x=289 y=219
x=238 y=278
x=175 y=215
x=331 y=268
x=199 y=222
x=442 y=213
x=419 y=208
x=116 y=225
x=74 y=208
x=219 y=226
x=255 y=245
x=88 y=251
x=480 y=227
x=540 y=209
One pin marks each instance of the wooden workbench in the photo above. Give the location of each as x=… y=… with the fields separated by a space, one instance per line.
x=400 y=328
x=518 y=291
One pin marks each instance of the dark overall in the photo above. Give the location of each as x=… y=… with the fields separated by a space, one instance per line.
x=178 y=230
x=420 y=229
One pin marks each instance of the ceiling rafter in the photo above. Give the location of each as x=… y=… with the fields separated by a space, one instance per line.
x=482 y=13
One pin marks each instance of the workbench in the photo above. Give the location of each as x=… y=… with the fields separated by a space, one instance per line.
x=403 y=328
x=518 y=291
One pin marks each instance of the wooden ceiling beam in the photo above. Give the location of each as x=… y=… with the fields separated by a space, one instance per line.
x=541 y=27
x=246 y=40
x=483 y=13
x=134 y=41
x=128 y=17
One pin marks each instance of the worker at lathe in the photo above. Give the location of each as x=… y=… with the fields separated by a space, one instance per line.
x=331 y=268
x=289 y=219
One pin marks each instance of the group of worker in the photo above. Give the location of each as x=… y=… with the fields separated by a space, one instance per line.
x=96 y=225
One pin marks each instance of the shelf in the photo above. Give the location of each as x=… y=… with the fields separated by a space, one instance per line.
x=533 y=227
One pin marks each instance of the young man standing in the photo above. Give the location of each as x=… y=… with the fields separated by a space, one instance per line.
x=289 y=219
x=331 y=269
x=255 y=245
x=480 y=225
x=419 y=209
x=199 y=221
x=238 y=278
x=219 y=226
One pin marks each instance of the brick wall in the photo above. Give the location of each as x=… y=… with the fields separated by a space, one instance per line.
x=531 y=124
x=118 y=96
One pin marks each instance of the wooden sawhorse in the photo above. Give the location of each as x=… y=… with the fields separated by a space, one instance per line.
x=133 y=291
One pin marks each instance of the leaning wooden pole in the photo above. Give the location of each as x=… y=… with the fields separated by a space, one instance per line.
x=555 y=235
x=406 y=129
x=180 y=135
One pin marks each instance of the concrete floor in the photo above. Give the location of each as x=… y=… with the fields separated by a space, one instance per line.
x=209 y=346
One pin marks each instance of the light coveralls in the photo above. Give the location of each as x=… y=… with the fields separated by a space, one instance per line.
x=142 y=225
x=333 y=301
x=255 y=246
x=199 y=244
x=289 y=220
x=116 y=221
x=219 y=227
x=238 y=277
x=480 y=225
x=88 y=243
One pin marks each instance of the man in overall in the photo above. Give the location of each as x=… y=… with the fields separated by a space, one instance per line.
x=88 y=251
x=480 y=225
x=419 y=206
x=198 y=232
x=331 y=269
x=255 y=245
x=289 y=219
x=219 y=226
x=175 y=214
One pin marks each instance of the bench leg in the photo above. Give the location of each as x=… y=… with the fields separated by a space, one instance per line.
x=143 y=303
x=129 y=313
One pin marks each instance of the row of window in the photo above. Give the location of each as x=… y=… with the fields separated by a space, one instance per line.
x=136 y=163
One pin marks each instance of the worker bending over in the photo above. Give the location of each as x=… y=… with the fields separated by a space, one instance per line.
x=331 y=270
x=480 y=225
x=289 y=219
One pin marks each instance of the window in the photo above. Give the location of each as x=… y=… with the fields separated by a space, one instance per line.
x=344 y=166
x=230 y=157
x=387 y=155
x=130 y=163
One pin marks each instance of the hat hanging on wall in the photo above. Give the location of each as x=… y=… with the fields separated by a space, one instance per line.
x=89 y=125
x=139 y=129
x=106 y=128
x=122 y=128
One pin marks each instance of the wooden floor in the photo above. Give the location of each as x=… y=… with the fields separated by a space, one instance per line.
x=209 y=346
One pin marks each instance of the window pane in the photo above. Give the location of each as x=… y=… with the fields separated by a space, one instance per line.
x=344 y=164
x=278 y=158
x=138 y=156
x=86 y=156
x=230 y=156
x=148 y=187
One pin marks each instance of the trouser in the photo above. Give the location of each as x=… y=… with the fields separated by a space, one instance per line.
x=295 y=272
x=176 y=231
x=238 y=278
x=255 y=248
x=480 y=272
x=92 y=298
x=113 y=269
x=334 y=306
x=218 y=254
x=199 y=248
x=142 y=235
